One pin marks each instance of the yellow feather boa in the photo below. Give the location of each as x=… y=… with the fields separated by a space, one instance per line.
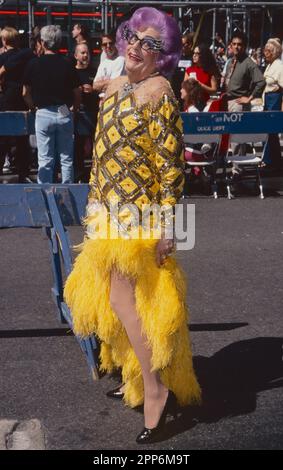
x=160 y=301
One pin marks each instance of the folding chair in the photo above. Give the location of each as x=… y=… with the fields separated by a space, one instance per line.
x=248 y=160
x=220 y=104
x=199 y=155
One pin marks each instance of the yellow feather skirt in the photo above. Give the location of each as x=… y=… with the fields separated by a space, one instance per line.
x=160 y=301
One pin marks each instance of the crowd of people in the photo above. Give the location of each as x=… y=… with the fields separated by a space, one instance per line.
x=231 y=78
x=56 y=88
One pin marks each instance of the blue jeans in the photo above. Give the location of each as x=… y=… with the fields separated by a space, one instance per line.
x=272 y=153
x=54 y=136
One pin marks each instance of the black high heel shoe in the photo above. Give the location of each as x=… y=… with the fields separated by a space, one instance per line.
x=116 y=393
x=147 y=435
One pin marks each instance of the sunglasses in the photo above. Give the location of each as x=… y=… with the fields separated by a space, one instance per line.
x=105 y=44
x=147 y=43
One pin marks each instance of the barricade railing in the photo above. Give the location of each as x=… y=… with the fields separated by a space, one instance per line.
x=14 y=123
x=222 y=122
x=226 y=123
x=22 y=123
x=53 y=208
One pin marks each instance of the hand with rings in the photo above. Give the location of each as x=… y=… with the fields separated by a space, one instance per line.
x=164 y=248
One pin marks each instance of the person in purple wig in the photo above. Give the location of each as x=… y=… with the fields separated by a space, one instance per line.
x=129 y=291
x=168 y=33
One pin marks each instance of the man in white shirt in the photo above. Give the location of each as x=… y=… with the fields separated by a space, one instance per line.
x=111 y=66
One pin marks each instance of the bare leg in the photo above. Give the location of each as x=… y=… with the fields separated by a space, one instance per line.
x=122 y=298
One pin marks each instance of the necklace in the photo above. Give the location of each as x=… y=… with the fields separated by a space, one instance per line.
x=129 y=87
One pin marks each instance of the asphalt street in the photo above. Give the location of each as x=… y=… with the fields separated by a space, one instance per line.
x=235 y=294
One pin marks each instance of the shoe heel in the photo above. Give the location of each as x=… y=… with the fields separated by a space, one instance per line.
x=116 y=393
x=146 y=436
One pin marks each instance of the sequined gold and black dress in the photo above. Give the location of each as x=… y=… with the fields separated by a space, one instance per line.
x=138 y=159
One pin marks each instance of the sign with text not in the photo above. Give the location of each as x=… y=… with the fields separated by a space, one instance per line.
x=270 y=122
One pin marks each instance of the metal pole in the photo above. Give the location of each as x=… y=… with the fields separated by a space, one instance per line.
x=231 y=21
x=32 y=14
x=213 y=28
x=191 y=21
x=227 y=34
x=270 y=17
x=29 y=22
x=102 y=16
x=48 y=15
x=18 y=14
x=106 y=29
x=180 y=18
x=248 y=25
x=112 y=17
x=262 y=28
x=70 y=10
x=245 y=22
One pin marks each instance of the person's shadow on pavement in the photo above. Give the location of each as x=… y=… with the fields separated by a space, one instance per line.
x=230 y=381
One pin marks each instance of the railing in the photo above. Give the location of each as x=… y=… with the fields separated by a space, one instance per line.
x=22 y=123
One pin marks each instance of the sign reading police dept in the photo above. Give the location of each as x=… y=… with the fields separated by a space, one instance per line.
x=233 y=123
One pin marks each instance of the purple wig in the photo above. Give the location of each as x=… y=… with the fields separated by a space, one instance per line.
x=170 y=35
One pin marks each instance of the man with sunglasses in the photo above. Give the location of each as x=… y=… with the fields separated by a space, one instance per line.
x=111 y=64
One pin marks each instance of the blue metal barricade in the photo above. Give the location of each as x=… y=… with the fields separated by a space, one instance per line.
x=52 y=207
x=13 y=123
x=271 y=122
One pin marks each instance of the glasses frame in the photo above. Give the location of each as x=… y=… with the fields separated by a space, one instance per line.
x=107 y=44
x=156 y=45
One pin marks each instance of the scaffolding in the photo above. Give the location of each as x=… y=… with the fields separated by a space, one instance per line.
x=237 y=13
